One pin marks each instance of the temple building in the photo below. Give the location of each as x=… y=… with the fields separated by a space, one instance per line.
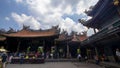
x=71 y=43
x=19 y=41
x=106 y=18
x=61 y=45
x=75 y=44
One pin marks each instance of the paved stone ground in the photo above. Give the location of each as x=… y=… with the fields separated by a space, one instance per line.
x=55 y=65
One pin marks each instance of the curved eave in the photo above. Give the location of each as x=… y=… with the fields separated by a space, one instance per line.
x=30 y=36
x=98 y=7
x=62 y=40
x=95 y=8
x=100 y=36
x=98 y=17
x=74 y=42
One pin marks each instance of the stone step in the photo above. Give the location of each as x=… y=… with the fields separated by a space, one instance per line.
x=61 y=60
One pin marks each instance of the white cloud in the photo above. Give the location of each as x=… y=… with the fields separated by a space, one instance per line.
x=26 y=20
x=7 y=18
x=68 y=10
x=19 y=1
x=84 y=5
x=47 y=13
x=91 y=31
x=69 y=25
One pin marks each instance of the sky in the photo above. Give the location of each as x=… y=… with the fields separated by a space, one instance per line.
x=43 y=14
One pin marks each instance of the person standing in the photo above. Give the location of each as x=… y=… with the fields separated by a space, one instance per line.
x=52 y=52
x=79 y=54
x=79 y=57
x=118 y=55
x=4 y=59
x=60 y=52
x=10 y=58
x=96 y=59
x=21 y=55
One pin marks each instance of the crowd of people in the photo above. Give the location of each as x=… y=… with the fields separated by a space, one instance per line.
x=7 y=57
x=99 y=58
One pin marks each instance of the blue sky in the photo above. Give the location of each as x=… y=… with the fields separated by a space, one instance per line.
x=6 y=8
x=43 y=14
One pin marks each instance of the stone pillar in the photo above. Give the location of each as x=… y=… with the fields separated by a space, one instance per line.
x=18 y=46
x=56 y=43
x=88 y=50
x=44 y=50
x=68 y=53
x=96 y=51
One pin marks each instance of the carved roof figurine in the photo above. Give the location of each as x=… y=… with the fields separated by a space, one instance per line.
x=64 y=36
x=79 y=37
x=56 y=29
x=26 y=27
x=11 y=30
x=61 y=37
x=2 y=31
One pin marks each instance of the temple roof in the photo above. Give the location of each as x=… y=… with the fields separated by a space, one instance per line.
x=63 y=37
x=72 y=38
x=32 y=33
x=82 y=37
x=100 y=13
x=79 y=38
x=95 y=8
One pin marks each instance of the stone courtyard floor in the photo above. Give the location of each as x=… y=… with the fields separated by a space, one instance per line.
x=55 y=65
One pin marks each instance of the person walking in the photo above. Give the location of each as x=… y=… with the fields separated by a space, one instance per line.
x=4 y=59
